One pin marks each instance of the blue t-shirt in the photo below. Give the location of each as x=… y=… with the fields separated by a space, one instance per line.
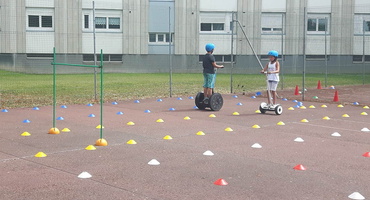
x=208 y=59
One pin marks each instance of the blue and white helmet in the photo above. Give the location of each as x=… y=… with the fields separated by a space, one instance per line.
x=273 y=53
x=210 y=47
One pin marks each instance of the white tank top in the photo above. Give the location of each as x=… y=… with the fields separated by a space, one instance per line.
x=272 y=77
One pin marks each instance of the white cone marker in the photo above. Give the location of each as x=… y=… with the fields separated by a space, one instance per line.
x=208 y=153
x=356 y=196
x=365 y=130
x=335 y=134
x=298 y=139
x=84 y=175
x=256 y=146
x=153 y=162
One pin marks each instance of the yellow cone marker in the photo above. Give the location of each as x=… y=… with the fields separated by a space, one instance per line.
x=200 y=133
x=90 y=147
x=281 y=123
x=160 y=120
x=66 y=130
x=212 y=115
x=340 y=106
x=302 y=107
x=345 y=115
x=131 y=142
x=290 y=108
x=324 y=106
x=54 y=131
x=101 y=142
x=312 y=106
x=26 y=134
x=187 y=118
x=40 y=155
x=366 y=107
x=304 y=120
x=364 y=113
x=130 y=123
x=256 y=126
x=99 y=127
x=257 y=111
x=167 y=137
x=236 y=113
x=326 y=118
x=228 y=129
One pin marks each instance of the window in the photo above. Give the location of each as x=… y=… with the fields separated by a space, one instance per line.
x=39 y=56
x=36 y=21
x=113 y=22
x=212 y=27
x=317 y=24
x=219 y=58
x=272 y=23
x=358 y=58
x=360 y=26
x=86 y=21
x=316 y=57
x=106 y=57
x=160 y=37
x=215 y=22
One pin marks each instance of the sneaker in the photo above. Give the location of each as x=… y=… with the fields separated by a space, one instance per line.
x=206 y=100
x=272 y=106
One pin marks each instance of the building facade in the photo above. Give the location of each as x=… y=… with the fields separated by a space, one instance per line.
x=152 y=35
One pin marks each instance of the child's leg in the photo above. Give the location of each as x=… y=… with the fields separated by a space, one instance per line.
x=268 y=98
x=273 y=97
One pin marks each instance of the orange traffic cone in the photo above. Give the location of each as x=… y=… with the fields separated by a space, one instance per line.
x=336 y=98
x=319 y=85
x=221 y=182
x=296 y=90
x=299 y=167
x=367 y=154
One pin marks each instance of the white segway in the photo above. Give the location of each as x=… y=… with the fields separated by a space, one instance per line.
x=264 y=107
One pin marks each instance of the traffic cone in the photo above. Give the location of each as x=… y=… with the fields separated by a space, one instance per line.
x=299 y=167
x=319 y=85
x=367 y=154
x=221 y=182
x=336 y=98
x=296 y=90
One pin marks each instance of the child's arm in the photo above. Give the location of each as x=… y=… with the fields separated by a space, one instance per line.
x=217 y=66
x=264 y=69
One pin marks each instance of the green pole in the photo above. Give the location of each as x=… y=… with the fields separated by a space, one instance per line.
x=101 y=93
x=54 y=88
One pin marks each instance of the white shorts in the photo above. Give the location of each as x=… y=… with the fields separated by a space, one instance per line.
x=272 y=85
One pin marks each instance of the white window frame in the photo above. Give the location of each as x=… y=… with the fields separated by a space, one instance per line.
x=318 y=17
x=212 y=18
x=40 y=12
x=103 y=14
x=271 y=22
x=164 y=38
x=358 y=24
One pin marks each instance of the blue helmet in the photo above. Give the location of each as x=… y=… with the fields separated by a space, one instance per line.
x=210 y=47
x=273 y=53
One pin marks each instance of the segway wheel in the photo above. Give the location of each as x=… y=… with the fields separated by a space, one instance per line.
x=216 y=102
x=263 y=111
x=278 y=110
x=199 y=101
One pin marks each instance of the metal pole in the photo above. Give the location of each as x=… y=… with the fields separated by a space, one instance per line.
x=326 y=53
x=94 y=38
x=363 y=53
x=54 y=89
x=250 y=44
x=101 y=94
x=169 y=48
x=282 y=51
x=304 y=54
x=232 y=53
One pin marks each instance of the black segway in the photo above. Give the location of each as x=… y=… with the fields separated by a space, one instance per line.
x=215 y=102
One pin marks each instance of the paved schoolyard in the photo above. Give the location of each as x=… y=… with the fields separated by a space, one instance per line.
x=335 y=167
